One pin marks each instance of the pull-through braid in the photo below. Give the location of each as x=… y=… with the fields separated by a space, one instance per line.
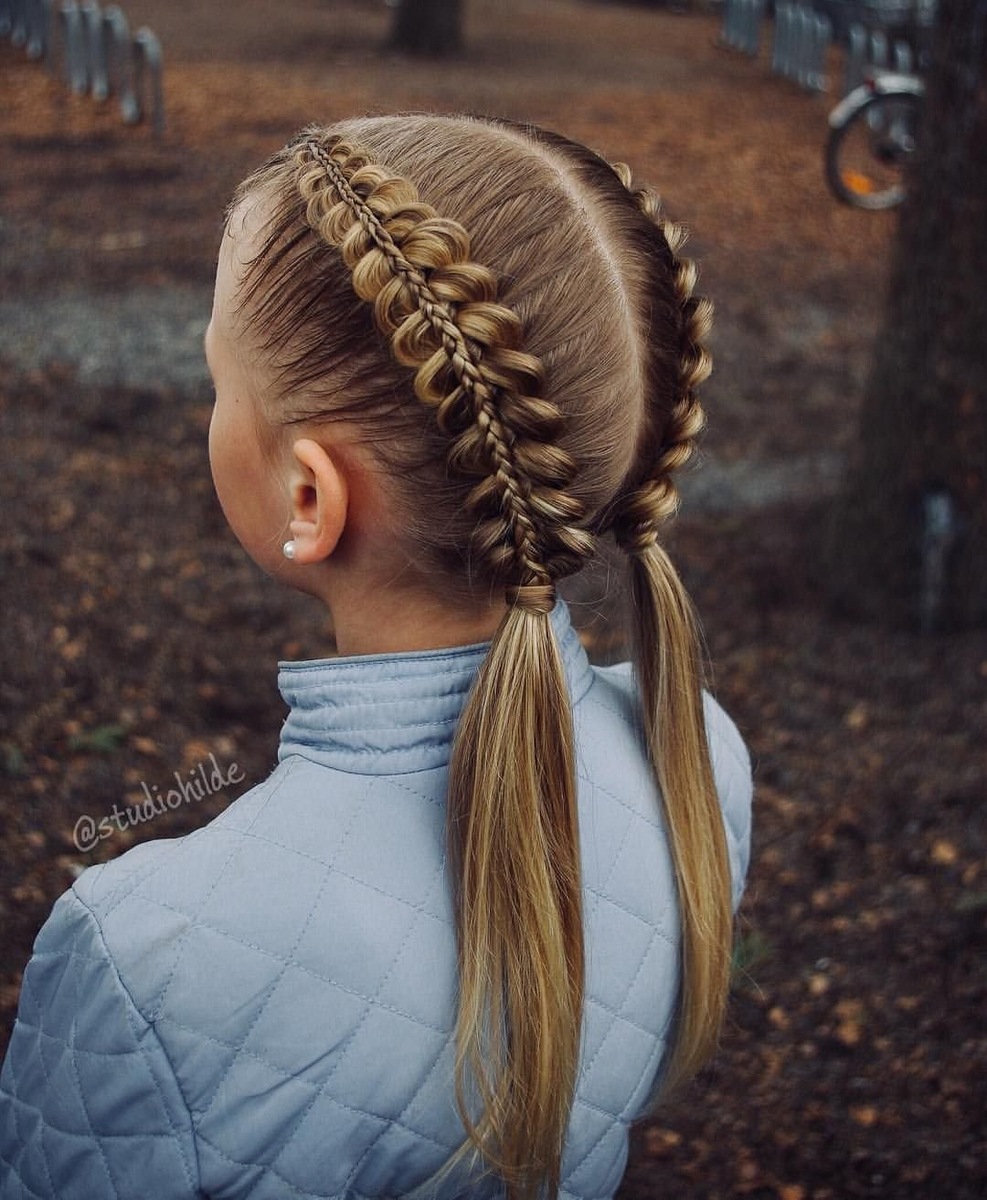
x=652 y=498
x=512 y=814
x=440 y=311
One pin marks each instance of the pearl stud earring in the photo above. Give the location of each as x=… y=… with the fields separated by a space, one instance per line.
x=288 y=549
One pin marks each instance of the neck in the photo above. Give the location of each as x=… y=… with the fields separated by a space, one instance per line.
x=392 y=622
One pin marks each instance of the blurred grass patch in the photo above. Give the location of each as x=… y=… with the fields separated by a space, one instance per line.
x=103 y=739
x=751 y=949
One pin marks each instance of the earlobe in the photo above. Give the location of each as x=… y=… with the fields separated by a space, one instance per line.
x=319 y=502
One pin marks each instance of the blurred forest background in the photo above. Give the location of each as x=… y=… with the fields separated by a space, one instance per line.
x=137 y=641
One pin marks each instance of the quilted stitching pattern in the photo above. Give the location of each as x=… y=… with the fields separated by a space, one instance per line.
x=264 y=1009
x=112 y=1117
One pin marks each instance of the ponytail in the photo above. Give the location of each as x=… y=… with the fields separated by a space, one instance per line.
x=514 y=837
x=667 y=652
x=669 y=673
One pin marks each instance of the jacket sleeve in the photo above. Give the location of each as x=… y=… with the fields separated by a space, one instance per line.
x=89 y=1105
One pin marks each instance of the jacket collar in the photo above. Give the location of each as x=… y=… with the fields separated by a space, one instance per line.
x=385 y=714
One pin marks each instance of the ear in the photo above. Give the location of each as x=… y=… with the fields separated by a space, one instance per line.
x=319 y=501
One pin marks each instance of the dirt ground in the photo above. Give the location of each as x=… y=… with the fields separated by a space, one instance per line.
x=137 y=641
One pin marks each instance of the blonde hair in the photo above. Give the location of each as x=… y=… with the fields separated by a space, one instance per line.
x=510 y=327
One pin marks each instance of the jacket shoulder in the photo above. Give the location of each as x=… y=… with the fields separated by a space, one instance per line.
x=615 y=689
x=89 y=1104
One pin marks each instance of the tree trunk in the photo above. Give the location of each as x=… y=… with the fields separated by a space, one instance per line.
x=430 y=28
x=908 y=542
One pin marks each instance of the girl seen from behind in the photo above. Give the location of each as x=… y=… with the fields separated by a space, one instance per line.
x=480 y=914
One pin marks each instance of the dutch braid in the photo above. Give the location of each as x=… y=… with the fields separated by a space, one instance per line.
x=440 y=311
x=670 y=669
x=652 y=498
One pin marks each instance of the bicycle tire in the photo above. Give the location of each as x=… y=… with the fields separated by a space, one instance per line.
x=867 y=156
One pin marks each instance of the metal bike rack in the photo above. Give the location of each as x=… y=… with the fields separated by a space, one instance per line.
x=869 y=49
x=11 y=22
x=37 y=21
x=802 y=37
x=148 y=76
x=904 y=59
x=28 y=25
x=91 y=49
x=92 y=32
x=856 y=58
x=17 y=19
x=800 y=43
x=742 y=24
x=44 y=29
x=940 y=528
x=76 y=65
x=119 y=59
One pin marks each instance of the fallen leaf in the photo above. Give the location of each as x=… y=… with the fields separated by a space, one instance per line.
x=857 y=718
x=944 y=853
x=660 y=1143
x=818 y=984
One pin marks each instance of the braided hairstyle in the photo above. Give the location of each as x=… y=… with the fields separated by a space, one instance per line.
x=669 y=666
x=510 y=330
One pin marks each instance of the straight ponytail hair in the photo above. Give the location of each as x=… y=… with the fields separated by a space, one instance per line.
x=514 y=838
x=668 y=665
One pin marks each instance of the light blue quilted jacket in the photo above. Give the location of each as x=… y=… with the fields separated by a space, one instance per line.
x=264 y=1009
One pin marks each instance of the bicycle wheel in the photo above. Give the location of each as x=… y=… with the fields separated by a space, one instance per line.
x=868 y=156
